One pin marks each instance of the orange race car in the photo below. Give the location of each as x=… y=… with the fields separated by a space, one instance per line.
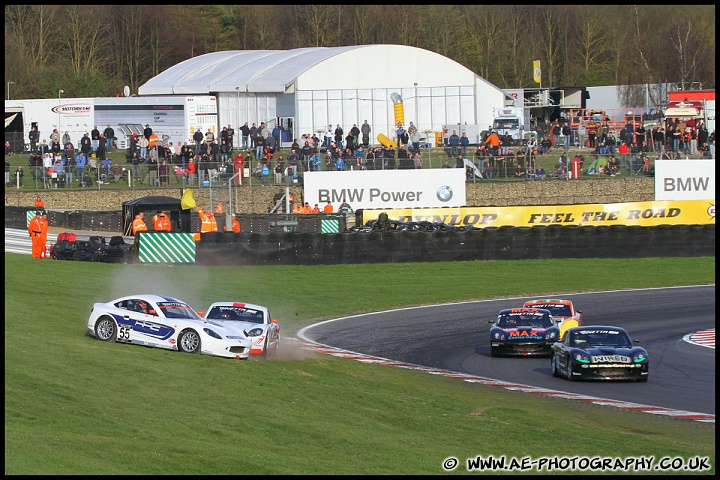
x=563 y=312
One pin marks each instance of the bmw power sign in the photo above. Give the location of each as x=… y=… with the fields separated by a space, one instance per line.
x=437 y=187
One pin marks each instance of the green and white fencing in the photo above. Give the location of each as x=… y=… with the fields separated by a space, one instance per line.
x=164 y=247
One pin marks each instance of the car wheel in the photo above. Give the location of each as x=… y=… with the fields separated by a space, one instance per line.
x=264 y=353
x=105 y=329
x=643 y=379
x=276 y=347
x=555 y=367
x=189 y=342
x=569 y=370
x=493 y=352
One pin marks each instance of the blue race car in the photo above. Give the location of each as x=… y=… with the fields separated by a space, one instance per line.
x=523 y=331
x=599 y=353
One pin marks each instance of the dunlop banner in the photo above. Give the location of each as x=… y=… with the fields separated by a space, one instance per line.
x=680 y=212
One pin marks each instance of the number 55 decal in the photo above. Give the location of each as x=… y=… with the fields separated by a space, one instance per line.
x=124 y=333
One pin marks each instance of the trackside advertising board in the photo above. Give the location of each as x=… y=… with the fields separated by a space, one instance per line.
x=679 y=212
x=684 y=179
x=437 y=187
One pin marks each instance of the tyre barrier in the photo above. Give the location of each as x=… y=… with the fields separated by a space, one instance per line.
x=491 y=243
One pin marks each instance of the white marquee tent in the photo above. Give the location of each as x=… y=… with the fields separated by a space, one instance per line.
x=307 y=89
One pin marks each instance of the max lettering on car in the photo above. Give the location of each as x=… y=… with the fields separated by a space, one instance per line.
x=524 y=334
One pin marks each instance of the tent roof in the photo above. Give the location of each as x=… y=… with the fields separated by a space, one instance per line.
x=154 y=200
x=279 y=71
x=246 y=70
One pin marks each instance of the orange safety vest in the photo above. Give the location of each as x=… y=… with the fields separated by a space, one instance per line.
x=328 y=209
x=219 y=208
x=235 y=226
x=138 y=225
x=209 y=224
x=153 y=140
x=35 y=228
x=161 y=223
x=39 y=203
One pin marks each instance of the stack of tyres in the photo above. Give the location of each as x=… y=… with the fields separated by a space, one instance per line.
x=117 y=251
x=64 y=250
x=89 y=251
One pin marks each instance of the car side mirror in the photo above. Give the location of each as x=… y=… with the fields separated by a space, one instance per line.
x=272 y=320
x=152 y=312
x=491 y=321
x=578 y=311
x=202 y=314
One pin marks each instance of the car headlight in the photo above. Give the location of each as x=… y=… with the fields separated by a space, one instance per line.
x=581 y=357
x=639 y=357
x=212 y=333
x=499 y=335
x=551 y=335
x=254 y=332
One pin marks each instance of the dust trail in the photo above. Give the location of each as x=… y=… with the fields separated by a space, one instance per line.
x=166 y=280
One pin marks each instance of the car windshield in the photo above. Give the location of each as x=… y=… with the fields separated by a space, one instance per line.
x=557 y=309
x=177 y=310
x=506 y=123
x=240 y=314
x=524 y=319
x=601 y=338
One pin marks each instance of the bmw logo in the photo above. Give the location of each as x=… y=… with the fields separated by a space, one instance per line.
x=444 y=193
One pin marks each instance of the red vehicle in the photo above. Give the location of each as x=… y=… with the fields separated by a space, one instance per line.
x=563 y=312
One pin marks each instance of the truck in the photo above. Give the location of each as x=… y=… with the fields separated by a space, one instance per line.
x=178 y=117
x=511 y=120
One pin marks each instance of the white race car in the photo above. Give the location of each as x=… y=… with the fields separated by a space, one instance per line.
x=255 y=320
x=165 y=322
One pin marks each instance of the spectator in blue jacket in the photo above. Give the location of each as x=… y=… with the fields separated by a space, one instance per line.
x=276 y=135
x=454 y=142
x=464 y=142
x=80 y=162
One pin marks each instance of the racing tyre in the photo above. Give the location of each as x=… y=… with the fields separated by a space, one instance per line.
x=189 y=342
x=643 y=379
x=105 y=329
x=570 y=370
x=555 y=368
x=494 y=352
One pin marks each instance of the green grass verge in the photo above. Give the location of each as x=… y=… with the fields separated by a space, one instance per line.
x=77 y=405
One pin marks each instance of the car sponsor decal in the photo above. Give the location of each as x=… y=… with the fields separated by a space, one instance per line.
x=595 y=332
x=525 y=334
x=610 y=359
x=152 y=329
x=613 y=365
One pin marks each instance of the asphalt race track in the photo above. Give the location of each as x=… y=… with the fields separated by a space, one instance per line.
x=455 y=337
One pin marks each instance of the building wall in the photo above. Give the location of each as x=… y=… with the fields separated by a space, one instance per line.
x=355 y=86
